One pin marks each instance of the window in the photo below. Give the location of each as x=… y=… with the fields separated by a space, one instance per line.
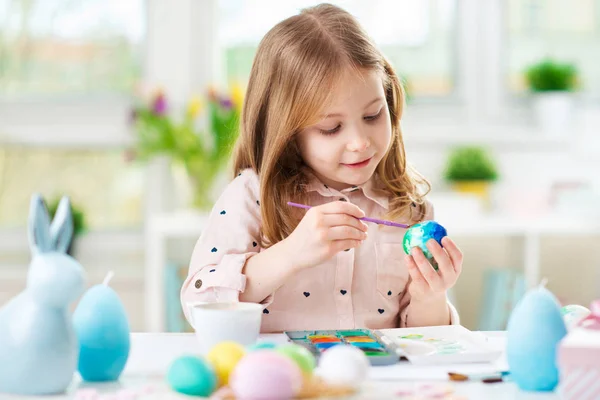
x=64 y=47
x=417 y=36
x=102 y=183
x=67 y=71
x=568 y=31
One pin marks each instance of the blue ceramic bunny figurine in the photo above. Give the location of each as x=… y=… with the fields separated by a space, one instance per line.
x=38 y=346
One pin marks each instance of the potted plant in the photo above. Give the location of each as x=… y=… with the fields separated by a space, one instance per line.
x=470 y=169
x=201 y=154
x=552 y=84
x=79 y=222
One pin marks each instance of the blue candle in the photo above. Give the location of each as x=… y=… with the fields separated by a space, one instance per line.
x=535 y=329
x=103 y=331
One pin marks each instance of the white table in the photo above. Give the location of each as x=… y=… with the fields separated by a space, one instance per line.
x=151 y=354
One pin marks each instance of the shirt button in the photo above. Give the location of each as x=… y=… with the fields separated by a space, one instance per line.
x=198 y=283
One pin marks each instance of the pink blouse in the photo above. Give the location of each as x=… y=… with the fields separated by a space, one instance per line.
x=360 y=288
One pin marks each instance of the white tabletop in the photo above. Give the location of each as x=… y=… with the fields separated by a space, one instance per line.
x=152 y=353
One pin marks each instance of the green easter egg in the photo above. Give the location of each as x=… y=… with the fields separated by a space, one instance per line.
x=300 y=355
x=192 y=376
x=261 y=346
x=419 y=234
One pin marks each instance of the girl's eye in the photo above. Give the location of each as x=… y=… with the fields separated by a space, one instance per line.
x=330 y=131
x=372 y=117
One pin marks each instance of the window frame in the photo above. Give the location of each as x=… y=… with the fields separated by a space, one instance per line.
x=480 y=99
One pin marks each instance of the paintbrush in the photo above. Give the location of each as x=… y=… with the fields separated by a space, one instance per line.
x=485 y=378
x=368 y=219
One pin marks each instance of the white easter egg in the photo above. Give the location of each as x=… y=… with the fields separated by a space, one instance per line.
x=573 y=314
x=343 y=365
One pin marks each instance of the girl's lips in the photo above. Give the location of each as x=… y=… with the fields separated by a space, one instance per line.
x=359 y=164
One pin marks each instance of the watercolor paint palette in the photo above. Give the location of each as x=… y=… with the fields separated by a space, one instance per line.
x=375 y=348
x=436 y=345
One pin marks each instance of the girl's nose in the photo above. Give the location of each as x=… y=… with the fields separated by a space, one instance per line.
x=359 y=142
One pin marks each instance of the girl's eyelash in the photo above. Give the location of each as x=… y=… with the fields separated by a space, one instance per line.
x=331 y=131
x=372 y=117
x=368 y=118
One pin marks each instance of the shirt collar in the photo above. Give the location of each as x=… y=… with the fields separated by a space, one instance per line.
x=372 y=189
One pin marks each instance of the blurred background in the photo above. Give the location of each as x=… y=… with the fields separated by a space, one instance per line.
x=130 y=106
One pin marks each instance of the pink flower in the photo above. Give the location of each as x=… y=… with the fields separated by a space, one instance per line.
x=159 y=105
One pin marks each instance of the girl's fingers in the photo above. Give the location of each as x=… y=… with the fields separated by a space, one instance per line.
x=344 y=219
x=445 y=267
x=454 y=253
x=341 y=207
x=418 y=281
x=345 y=232
x=431 y=275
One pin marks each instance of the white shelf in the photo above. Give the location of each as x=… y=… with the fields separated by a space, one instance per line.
x=186 y=223
x=183 y=223
x=189 y=224
x=510 y=226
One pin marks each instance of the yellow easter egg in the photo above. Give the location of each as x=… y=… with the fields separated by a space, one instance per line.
x=224 y=357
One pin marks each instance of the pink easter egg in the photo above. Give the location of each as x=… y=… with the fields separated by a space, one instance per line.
x=265 y=375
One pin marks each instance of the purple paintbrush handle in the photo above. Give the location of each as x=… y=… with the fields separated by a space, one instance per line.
x=384 y=222
x=377 y=221
x=298 y=205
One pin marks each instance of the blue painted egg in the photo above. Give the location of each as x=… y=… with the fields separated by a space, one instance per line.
x=192 y=375
x=418 y=235
x=102 y=329
x=535 y=329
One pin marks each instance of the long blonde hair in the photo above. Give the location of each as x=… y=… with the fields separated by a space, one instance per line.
x=295 y=69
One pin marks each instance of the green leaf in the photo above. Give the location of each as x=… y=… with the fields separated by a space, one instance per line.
x=549 y=75
x=470 y=163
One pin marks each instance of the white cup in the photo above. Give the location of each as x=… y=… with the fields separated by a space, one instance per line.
x=219 y=322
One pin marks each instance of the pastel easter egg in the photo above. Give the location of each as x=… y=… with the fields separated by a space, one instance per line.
x=265 y=375
x=573 y=314
x=343 y=365
x=419 y=234
x=192 y=376
x=300 y=355
x=261 y=346
x=224 y=357
x=535 y=328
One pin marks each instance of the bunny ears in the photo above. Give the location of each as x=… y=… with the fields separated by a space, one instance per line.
x=45 y=237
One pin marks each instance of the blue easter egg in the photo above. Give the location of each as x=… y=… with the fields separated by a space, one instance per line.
x=418 y=235
x=192 y=376
x=261 y=346
x=535 y=329
x=102 y=329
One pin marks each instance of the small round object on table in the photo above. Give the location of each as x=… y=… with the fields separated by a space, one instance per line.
x=265 y=374
x=419 y=234
x=261 y=346
x=300 y=355
x=224 y=357
x=343 y=365
x=573 y=314
x=192 y=376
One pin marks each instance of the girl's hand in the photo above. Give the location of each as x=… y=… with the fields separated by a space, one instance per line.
x=427 y=283
x=325 y=231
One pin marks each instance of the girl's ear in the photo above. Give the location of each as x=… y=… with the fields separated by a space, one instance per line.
x=61 y=230
x=39 y=226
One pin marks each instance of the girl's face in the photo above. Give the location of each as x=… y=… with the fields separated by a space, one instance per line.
x=353 y=135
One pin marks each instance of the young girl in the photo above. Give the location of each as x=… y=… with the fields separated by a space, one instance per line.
x=321 y=126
